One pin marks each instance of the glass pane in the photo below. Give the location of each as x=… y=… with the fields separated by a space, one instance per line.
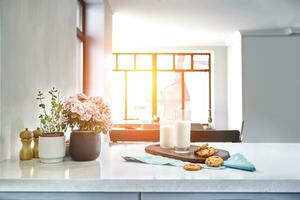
x=183 y=61
x=168 y=92
x=201 y=61
x=144 y=62
x=126 y=62
x=79 y=16
x=79 y=66
x=118 y=96
x=164 y=62
x=140 y=96
x=198 y=90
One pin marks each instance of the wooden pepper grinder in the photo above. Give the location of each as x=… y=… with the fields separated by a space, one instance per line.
x=26 y=139
x=36 y=134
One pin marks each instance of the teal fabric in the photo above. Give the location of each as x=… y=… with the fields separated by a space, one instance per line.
x=238 y=161
x=159 y=160
x=155 y=160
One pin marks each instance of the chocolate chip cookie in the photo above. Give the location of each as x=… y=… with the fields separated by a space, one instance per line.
x=205 y=153
x=192 y=167
x=204 y=146
x=214 y=161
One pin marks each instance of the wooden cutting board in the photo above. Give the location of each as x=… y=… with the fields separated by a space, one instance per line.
x=155 y=149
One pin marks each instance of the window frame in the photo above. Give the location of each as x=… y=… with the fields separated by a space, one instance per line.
x=155 y=70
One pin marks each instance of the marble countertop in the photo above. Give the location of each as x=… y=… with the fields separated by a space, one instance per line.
x=277 y=171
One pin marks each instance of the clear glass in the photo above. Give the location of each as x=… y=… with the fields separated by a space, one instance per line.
x=198 y=88
x=182 y=131
x=167 y=134
x=118 y=96
x=144 y=61
x=183 y=115
x=183 y=61
x=126 y=62
x=164 y=61
x=140 y=96
x=169 y=99
x=201 y=61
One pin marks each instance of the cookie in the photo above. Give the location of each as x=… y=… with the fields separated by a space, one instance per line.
x=205 y=153
x=214 y=161
x=192 y=167
x=204 y=146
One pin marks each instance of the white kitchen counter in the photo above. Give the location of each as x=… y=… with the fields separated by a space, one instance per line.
x=277 y=172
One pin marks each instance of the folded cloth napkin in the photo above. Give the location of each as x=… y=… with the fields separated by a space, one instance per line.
x=159 y=160
x=238 y=161
x=154 y=160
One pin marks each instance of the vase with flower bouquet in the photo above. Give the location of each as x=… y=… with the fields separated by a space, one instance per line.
x=87 y=117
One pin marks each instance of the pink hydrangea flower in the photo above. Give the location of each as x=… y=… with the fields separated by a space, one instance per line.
x=90 y=112
x=77 y=108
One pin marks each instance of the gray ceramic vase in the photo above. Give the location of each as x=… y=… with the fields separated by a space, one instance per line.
x=84 y=145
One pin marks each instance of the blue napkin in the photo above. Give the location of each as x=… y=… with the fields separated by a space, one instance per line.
x=154 y=160
x=159 y=160
x=238 y=161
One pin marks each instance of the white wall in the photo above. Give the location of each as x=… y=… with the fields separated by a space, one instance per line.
x=234 y=80
x=38 y=51
x=271 y=68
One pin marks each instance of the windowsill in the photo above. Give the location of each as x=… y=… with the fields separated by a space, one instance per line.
x=150 y=133
x=136 y=125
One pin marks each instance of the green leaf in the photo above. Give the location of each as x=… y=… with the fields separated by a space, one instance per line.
x=42 y=105
x=53 y=103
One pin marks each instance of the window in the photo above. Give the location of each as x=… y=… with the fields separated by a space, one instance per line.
x=80 y=43
x=146 y=84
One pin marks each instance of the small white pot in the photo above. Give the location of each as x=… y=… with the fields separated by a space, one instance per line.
x=52 y=148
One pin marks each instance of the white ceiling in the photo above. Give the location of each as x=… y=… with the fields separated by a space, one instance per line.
x=196 y=22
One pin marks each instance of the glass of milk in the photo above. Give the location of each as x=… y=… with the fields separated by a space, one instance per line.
x=182 y=131
x=167 y=134
x=167 y=130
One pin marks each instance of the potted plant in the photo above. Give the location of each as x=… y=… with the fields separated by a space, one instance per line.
x=52 y=141
x=87 y=117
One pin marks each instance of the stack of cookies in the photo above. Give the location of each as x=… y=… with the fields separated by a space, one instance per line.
x=208 y=153
x=211 y=159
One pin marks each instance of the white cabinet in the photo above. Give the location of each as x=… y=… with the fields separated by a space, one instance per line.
x=69 y=196
x=219 y=196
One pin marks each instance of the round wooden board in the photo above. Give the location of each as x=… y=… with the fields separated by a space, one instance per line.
x=155 y=149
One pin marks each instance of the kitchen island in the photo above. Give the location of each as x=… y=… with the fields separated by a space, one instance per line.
x=110 y=177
